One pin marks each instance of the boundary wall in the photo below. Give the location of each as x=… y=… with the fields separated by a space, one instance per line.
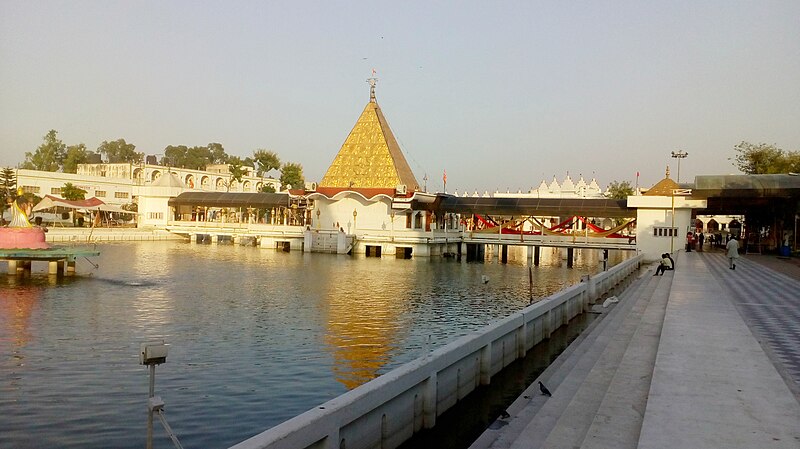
x=390 y=409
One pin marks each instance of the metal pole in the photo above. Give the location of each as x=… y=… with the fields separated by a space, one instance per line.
x=149 y=409
x=672 y=230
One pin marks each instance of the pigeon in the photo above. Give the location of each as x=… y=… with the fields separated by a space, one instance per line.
x=544 y=389
x=504 y=415
x=485 y=279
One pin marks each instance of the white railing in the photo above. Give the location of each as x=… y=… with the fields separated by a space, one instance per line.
x=388 y=410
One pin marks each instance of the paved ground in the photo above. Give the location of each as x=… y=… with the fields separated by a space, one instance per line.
x=769 y=302
x=713 y=385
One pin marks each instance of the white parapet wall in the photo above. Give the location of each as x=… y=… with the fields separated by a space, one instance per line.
x=387 y=411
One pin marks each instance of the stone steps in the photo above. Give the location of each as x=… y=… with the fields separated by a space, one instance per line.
x=534 y=416
x=618 y=421
x=576 y=419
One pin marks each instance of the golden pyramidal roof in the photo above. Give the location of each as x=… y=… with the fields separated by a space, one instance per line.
x=665 y=187
x=370 y=156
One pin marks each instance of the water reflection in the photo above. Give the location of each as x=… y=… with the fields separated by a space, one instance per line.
x=16 y=307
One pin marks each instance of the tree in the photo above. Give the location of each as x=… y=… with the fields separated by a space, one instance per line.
x=75 y=154
x=236 y=168
x=72 y=192
x=49 y=155
x=218 y=155
x=619 y=190
x=268 y=188
x=118 y=151
x=196 y=158
x=267 y=161
x=765 y=159
x=292 y=175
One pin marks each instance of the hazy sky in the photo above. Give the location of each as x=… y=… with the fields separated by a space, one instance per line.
x=500 y=94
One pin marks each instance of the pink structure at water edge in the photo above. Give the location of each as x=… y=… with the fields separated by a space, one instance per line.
x=22 y=238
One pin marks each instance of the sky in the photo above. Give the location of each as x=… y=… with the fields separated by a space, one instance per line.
x=500 y=95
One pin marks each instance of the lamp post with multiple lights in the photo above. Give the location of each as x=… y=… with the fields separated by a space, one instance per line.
x=680 y=154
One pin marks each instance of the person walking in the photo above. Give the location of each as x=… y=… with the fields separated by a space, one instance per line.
x=733 y=252
x=701 y=238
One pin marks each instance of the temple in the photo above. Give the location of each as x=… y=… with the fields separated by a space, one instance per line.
x=370 y=160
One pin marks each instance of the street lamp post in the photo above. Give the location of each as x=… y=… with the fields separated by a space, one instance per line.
x=680 y=154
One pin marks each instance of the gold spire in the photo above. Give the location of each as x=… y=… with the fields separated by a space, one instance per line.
x=667 y=171
x=370 y=156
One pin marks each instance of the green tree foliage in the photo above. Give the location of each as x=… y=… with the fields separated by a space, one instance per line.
x=268 y=188
x=292 y=175
x=72 y=192
x=196 y=158
x=619 y=190
x=49 y=155
x=765 y=159
x=8 y=188
x=218 y=155
x=75 y=154
x=236 y=168
x=267 y=161
x=118 y=151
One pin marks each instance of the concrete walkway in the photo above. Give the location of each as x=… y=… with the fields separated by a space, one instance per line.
x=673 y=365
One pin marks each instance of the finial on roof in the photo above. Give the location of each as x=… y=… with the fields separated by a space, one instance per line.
x=372 y=82
x=667 y=171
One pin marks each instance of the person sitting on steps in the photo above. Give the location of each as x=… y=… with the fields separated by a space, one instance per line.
x=663 y=266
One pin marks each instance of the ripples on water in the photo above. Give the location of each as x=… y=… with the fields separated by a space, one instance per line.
x=256 y=336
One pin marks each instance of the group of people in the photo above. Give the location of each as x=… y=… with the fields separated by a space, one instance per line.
x=732 y=251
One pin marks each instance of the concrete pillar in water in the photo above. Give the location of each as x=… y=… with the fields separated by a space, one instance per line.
x=12 y=267
x=70 y=268
x=504 y=254
x=570 y=256
x=52 y=267
x=536 y=256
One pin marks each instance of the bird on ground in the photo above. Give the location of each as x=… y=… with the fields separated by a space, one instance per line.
x=485 y=279
x=544 y=389
x=504 y=415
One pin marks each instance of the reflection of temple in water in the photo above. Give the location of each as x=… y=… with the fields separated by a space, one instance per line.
x=16 y=306
x=361 y=335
